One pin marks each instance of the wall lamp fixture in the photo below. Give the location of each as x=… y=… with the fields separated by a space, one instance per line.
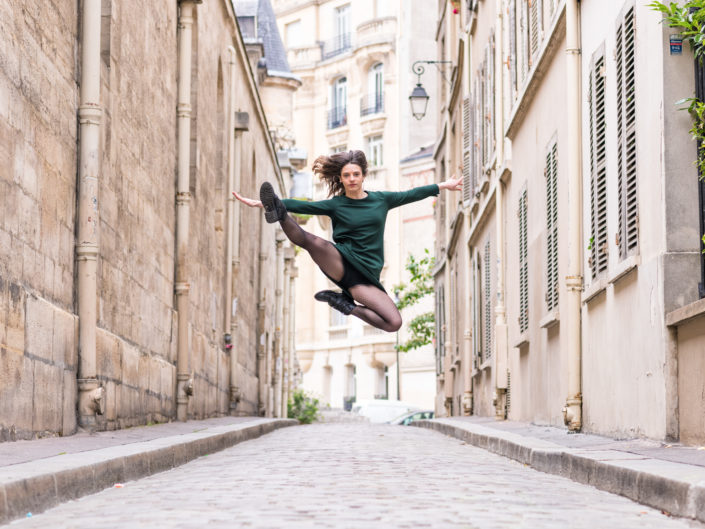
x=419 y=98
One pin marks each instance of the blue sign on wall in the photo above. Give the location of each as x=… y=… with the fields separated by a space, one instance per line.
x=676 y=45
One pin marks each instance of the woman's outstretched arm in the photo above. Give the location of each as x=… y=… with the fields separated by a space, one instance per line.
x=396 y=199
x=248 y=201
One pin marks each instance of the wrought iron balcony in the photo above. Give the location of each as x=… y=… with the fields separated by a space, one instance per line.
x=371 y=104
x=337 y=117
x=336 y=46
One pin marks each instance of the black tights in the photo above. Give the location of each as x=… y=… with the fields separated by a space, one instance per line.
x=375 y=307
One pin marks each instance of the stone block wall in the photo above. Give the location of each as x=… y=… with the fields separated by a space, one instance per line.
x=137 y=318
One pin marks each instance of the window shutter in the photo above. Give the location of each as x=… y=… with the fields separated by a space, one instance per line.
x=477 y=129
x=523 y=265
x=491 y=85
x=488 y=300
x=524 y=28
x=487 y=110
x=512 y=49
x=534 y=29
x=628 y=235
x=467 y=147
x=551 y=171
x=598 y=166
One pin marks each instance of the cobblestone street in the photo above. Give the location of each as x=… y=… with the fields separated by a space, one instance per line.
x=353 y=476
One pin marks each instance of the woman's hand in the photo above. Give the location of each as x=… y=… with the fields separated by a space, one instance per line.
x=248 y=201
x=452 y=184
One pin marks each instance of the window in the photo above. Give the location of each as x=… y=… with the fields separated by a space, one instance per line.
x=337 y=115
x=374 y=151
x=337 y=318
x=294 y=35
x=598 y=166
x=535 y=28
x=551 y=172
x=105 y=16
x=342 y=21
x=440 y=328
x=468 y=133
x=487 y=298
x=488 y=103
x=524 y=37
x=523 y=265
x=373 y=101
x=512 y=50
x=628 y=234
x=339 y=148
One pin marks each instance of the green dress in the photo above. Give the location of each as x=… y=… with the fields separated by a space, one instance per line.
x=358 y=224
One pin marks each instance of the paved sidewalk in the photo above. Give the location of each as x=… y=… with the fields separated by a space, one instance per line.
x=669 y=477
x=35 y=475
x=353 y=476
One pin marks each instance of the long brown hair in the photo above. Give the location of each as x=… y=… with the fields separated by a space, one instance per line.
x=328 y=169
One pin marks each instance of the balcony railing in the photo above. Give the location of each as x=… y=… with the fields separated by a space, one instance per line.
x=371 y=104
x=336 y=46
x=337 y=117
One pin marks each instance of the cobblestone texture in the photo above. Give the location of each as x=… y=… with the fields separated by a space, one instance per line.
x=353 y=476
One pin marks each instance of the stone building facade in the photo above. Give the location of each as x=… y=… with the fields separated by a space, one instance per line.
x=123 y=128
x=354 y=60
x=567 y=277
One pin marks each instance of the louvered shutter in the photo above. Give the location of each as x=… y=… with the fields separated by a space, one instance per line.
x=534 y=29
x=491 y=85
x=477 y=129
x=512 y=49
x=628 y=235
x=468 y=186
x=524 y=29
x=488 y=300
x=487 y=111
x=523 y=265
x=551 y=171
x=598 y=167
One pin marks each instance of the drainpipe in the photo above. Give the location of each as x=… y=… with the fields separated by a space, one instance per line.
x=90 y=392
x=572 y=412
x=184 y=383
x=279 y=324
x=262 y=346
x=285 y=338
x=237 y=123
x=292 y=327
x=501 y=331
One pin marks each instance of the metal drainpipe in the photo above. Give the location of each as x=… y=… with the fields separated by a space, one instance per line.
x=285 y=339
x=501 y=330
x=235 y=130
x=572 y=412
x=279 y=324
x=90 y=392
x=184 y=383
x=292 y=328
x=262 y=345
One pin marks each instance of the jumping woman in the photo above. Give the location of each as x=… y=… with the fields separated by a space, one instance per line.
x=355 y=261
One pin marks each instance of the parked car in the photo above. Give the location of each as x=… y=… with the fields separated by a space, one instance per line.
x=410 y=417
x=382 y=410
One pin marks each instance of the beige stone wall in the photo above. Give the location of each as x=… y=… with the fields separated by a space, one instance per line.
x=137 y=324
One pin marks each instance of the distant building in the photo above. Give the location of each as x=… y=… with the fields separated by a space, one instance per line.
x=354 y=60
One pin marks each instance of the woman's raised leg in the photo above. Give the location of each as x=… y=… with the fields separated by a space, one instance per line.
x=376 y=308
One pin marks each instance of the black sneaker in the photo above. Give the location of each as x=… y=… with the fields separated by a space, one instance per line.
x=274 y=209
x=338 y=300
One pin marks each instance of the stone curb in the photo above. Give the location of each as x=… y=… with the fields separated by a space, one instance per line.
x=676 y=488
x=39 y=485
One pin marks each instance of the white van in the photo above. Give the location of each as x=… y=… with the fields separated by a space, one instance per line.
x=382 y=410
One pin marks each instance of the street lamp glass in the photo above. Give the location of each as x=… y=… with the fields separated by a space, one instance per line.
x=419 y=101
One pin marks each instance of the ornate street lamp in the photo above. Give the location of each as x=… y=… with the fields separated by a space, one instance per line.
x=419 y=98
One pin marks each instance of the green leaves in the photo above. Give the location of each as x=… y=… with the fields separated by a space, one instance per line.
x=423 y=326
x=302 y=407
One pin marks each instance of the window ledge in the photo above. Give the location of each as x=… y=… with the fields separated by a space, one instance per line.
x=627 y=265
x=597 y=287
x=522 y=340
x=485 y=365
x=686 y=314
x=550 y=319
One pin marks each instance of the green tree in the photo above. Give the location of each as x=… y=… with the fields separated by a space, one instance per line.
x=422 y=327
